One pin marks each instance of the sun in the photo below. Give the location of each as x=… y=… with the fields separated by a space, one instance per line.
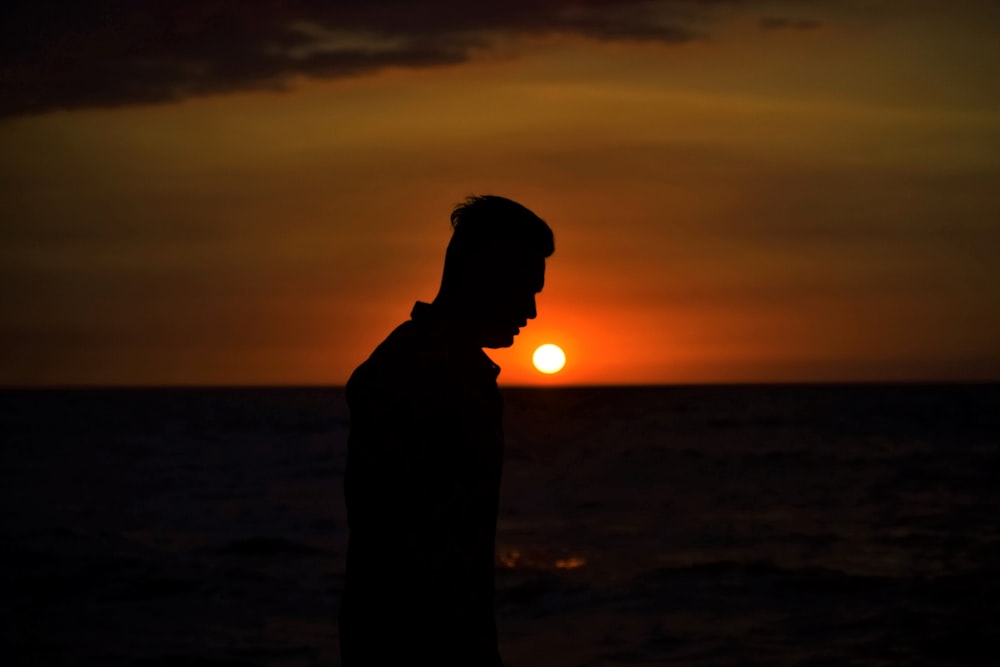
x=549 y=358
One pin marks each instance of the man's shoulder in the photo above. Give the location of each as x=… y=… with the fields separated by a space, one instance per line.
x=408 y=356
x=408 y=348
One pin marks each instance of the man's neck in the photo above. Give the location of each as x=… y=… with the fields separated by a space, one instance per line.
x=451 y=315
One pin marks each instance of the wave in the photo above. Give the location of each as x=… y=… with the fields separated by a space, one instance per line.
x=267 y=546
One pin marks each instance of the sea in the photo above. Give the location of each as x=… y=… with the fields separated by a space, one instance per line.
x=806 y=525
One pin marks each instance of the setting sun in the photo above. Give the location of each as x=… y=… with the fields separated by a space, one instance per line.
x=549 y=358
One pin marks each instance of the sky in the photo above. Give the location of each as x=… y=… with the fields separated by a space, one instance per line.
x=205 y=193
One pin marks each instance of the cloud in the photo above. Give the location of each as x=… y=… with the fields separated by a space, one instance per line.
x=81 y=55
x=779 y=23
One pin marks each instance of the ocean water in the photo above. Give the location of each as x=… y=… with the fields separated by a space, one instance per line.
x=743 y=525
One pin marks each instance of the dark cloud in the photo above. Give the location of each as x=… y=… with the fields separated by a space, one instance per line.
x=778 y=23
x=77 y=55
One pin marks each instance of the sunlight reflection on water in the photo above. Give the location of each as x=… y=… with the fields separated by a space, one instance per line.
x=517 y=559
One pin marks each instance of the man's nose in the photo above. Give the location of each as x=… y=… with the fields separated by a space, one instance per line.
x=532 y=309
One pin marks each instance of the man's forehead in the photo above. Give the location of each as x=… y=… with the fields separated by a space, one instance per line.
x=520 y=273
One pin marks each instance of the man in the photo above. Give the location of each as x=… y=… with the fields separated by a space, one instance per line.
x=425 y=452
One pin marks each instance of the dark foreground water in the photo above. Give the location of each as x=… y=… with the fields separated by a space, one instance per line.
x=822 y=525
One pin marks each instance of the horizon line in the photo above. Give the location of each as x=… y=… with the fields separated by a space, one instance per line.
x=605 y=385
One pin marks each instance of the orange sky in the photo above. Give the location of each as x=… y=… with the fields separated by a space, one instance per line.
x=751 y=192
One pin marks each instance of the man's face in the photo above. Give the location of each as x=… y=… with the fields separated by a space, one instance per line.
x=509 y=303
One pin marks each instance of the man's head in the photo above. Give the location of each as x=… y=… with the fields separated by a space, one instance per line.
x=494 y=267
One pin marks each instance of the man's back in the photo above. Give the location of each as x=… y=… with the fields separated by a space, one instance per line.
x=422 y=483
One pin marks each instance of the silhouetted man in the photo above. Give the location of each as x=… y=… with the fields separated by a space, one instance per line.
x=426 y=449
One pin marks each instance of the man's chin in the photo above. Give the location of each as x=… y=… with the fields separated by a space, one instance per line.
x=498 y=341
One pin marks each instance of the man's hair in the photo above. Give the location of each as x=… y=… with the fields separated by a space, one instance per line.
x=492 y=228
